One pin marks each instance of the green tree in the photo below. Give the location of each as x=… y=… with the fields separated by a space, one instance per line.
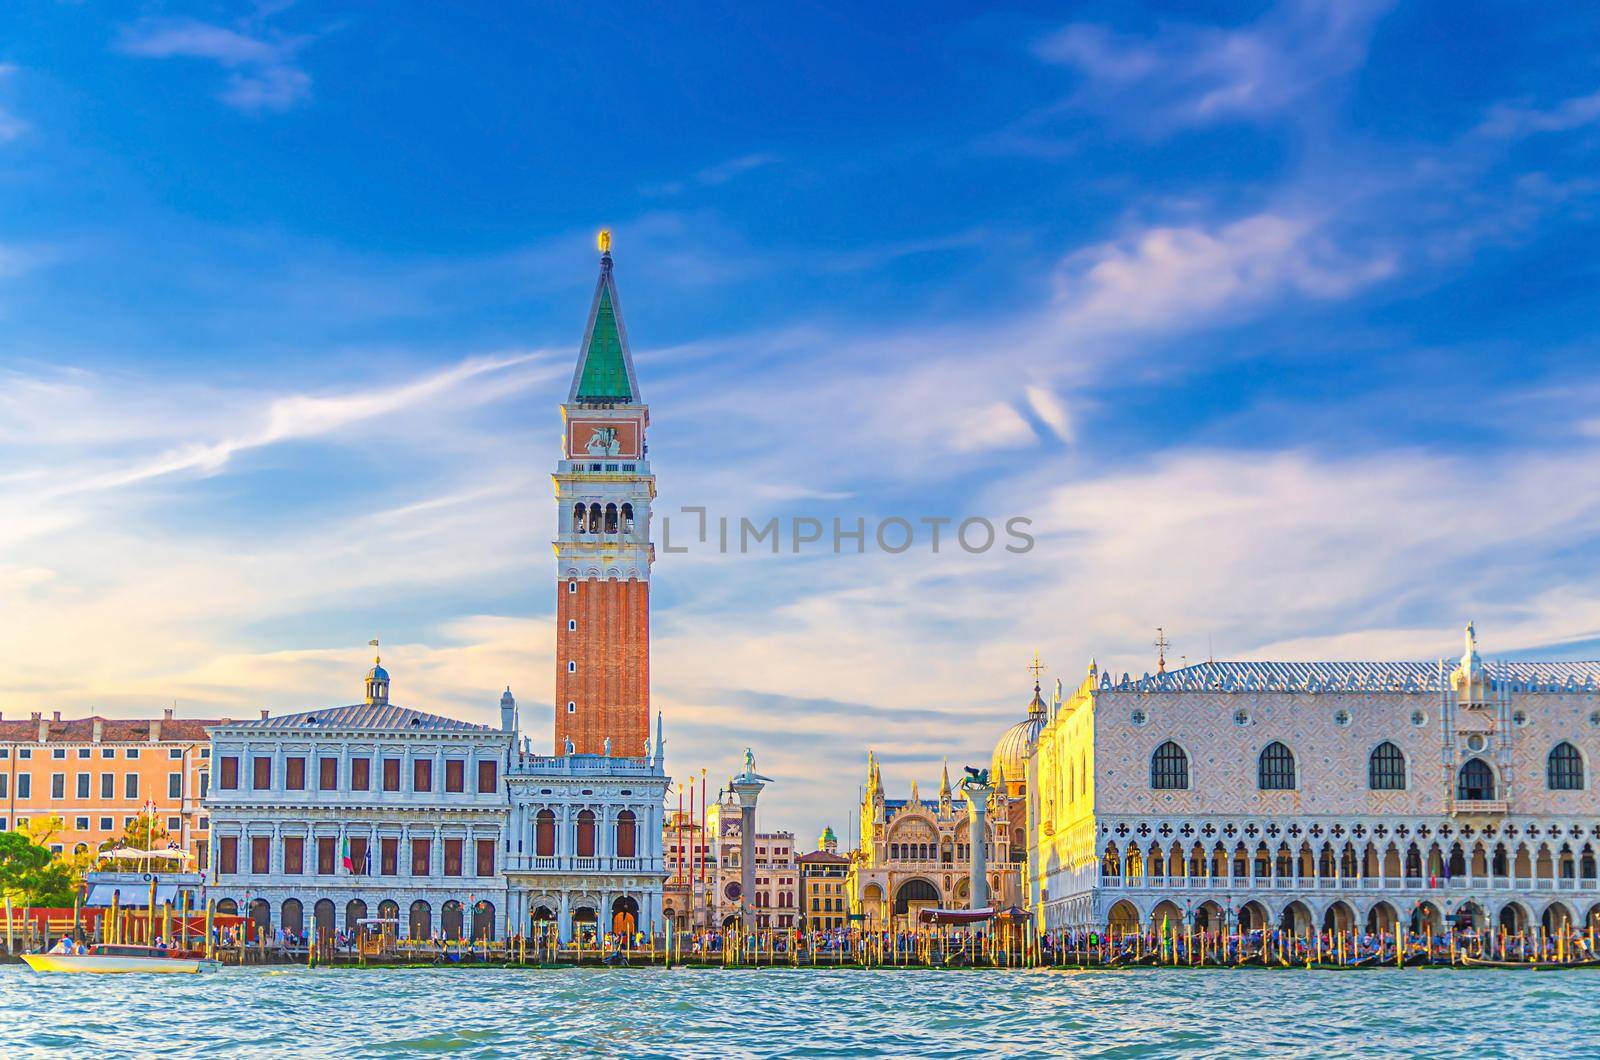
x=30 y=874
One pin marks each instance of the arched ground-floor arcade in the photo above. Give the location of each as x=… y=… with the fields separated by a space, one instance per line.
x=1303 y=912
x=576 y=908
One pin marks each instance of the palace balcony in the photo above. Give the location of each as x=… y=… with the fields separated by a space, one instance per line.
x=527 y=766
x=566 y=863
x=1479 y=808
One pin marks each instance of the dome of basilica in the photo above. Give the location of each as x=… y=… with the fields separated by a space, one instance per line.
x=1010 y=758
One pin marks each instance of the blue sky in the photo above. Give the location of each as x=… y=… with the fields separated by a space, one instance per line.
x=1277 y=320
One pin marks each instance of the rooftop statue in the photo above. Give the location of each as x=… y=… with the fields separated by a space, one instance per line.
x=976 y=777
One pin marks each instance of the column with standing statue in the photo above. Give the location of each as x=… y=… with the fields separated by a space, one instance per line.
x=747 y=786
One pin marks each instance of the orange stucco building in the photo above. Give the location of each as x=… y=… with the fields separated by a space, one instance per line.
x=97 y=774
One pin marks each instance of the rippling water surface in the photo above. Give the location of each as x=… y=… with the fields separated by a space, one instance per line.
x=650 y=1012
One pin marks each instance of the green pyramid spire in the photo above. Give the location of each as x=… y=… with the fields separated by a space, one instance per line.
x=605 y=369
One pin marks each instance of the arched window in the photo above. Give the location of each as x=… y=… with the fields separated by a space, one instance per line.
x=1475 y=782
x=586 y=833
x=594 y=518
x=1275 y=768
x=1169 y=768
x=579 y=516
x=544 y=834
x=1565 y=768
x=627 y=518
x=1386 y=769
x=611 y=518
x=626 y=830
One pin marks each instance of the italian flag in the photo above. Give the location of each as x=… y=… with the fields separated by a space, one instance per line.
x=349 y=866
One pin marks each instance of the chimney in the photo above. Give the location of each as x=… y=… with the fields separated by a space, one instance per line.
x=99 y=729
x=155 y=730
x=264 y=713
x=167 y=714
x=57 y=716
x=44 y=727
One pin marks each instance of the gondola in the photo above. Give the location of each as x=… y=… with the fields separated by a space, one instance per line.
x=1533 y=966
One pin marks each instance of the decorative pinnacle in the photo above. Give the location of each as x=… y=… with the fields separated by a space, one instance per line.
x=603 y=241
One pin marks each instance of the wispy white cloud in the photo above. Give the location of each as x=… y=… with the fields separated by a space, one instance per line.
x=714 y=176
x=301 y=416
x=11 y=126
x=1510 y=120
x=1166 y=277
x=262 y=69
x=1186 y=74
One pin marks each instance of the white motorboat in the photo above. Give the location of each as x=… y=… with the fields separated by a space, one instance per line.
x=107 y=958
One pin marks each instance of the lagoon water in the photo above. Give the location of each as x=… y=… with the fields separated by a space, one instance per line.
x=650 y=1012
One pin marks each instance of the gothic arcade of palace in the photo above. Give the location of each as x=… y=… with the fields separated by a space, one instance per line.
x=1320 y=795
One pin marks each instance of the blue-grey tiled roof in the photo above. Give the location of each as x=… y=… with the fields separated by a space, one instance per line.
x=1354 y=676
x=365 y=716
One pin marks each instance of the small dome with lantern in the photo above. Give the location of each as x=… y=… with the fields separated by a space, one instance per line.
x=1009 y=764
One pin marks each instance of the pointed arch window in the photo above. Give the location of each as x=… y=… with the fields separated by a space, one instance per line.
x=1169 y=768
x=1564 y=771
x=1475 y=781
x=1275 y=768
x=1386 y=768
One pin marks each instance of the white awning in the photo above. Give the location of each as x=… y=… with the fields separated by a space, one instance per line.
x=130 y=895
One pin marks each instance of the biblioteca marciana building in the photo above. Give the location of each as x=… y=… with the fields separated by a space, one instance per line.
x=376 y=810
x=1343 y=796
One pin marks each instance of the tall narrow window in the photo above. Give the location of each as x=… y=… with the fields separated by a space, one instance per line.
x=626 y=832
x=261 y=776
x=488 y=777
x=228 y=769
x=585 y=833
x=228 y=854
x=294 y=773
x=422 y=774
x=327 y=774
x=1565 y=768
x=1386 y=768
x=294 y=854
x=452 y=856
x=1275 y=769
x=360 y=774
x=1475 y=781
x=1169 y=768
x=391 y=774
x=544 y=834
x=455 y=775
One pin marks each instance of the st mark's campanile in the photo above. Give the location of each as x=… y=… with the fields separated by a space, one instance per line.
x=603 y=489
